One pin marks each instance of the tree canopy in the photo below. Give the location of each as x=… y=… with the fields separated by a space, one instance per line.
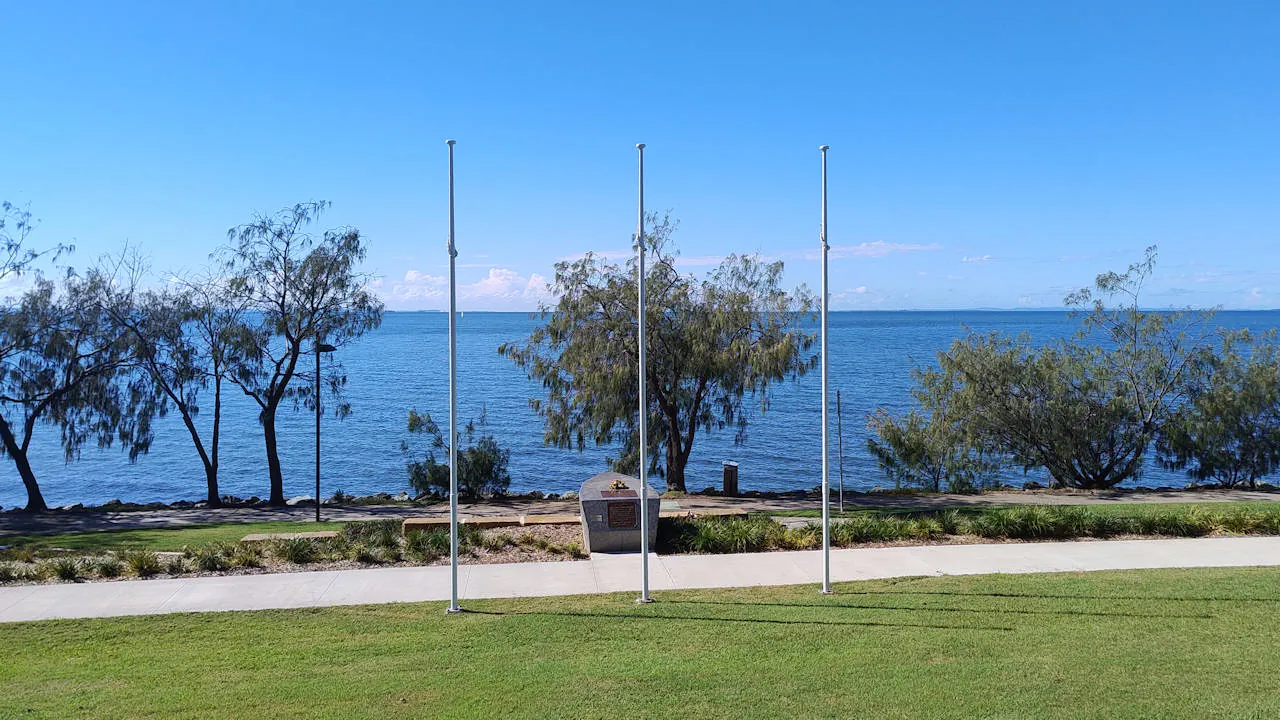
x=301 y=290
x=711 y=344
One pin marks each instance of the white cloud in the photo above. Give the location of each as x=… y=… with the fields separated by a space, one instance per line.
x=860 y=290
x=977 y=259
x=506 y=284
x=500 y=288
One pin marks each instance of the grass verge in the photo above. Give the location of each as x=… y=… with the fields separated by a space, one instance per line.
x=1139 y=644
x=161 y=539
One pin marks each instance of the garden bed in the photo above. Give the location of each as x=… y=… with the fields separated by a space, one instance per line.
x=359 y=545
x=380 y=543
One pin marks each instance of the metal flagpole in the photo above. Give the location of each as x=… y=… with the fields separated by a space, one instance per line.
x=826 y=495
x=644 y=403
x=453 y=403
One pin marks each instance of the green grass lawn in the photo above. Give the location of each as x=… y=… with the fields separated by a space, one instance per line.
x=169 y=538
x=1142 y=644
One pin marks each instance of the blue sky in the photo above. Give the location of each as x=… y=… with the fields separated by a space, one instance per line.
x=984 y=154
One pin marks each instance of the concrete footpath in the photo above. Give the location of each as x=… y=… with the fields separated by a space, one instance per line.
x=615 y=573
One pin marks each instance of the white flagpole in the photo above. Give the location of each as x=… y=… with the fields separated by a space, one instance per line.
x=826 y=495
x=453 y=403
x=644 y=404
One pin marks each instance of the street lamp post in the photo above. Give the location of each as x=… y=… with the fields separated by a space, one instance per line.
x=321 y=347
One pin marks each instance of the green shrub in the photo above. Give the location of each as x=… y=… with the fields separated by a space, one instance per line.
x=952 y=522
x=65 y=568
x=210 y=558
x=367 y=554
x=177 y=565
x=9 y=572
x=928 y=528
x=497 y=542
x=246 y=555
x=298 y=551
x=378 y=533
x=734 y=535
x=108 y=566
x=871 y=529
x=1242 y=522
x=143 y=563
x=429 y=545
x=21 y=555
x=807 y=537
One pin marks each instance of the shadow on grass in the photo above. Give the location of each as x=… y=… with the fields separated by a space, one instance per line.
x=767 y=621
x=907 y=608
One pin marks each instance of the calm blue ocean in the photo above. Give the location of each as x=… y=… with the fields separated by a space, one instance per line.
x=403 y=365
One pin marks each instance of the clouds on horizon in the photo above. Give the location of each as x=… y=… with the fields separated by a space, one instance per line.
x=499 y=289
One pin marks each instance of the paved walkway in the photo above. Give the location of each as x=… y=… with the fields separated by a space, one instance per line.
x=85 y=521
x=615 y=573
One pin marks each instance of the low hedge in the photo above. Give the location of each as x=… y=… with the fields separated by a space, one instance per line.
x=1035 y=522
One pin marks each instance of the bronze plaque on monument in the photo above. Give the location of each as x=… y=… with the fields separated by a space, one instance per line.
x=623 y=515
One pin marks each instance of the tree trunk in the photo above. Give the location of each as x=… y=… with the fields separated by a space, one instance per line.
x=35 y=500
x=675 y=466
x=273 y=456
x=211 y=468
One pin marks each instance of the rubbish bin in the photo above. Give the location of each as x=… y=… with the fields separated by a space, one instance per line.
x=730 y=478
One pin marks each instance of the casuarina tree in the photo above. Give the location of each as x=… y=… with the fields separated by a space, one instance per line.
x=189 y=337
x=299 y=289
x=713 y=343
x=64 y=361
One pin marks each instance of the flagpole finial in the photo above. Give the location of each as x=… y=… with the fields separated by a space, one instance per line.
x=639 y=146
x=451 y=142
x=824 y=148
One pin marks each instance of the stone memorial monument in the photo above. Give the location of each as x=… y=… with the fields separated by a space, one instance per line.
x=610 y=504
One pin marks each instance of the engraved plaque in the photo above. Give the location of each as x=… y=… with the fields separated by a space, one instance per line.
x=623 y=515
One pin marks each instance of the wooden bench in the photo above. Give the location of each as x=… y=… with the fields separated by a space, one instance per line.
x=264 y=537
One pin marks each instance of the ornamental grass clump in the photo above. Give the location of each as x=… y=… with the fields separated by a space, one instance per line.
x=377 y=533
x=177 y=565
x=735 y=535
x=806 y=537
x=497 y=542
x=429 y=545
x=299 y=551
x=367 y=554
x=108 y=566
x=65 y=568
x=210 y=558
x=246 y=555
x=8 y=572
x=142 y=563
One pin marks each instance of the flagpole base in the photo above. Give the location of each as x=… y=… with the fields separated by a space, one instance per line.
x=642 y=600
x=457 y=610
